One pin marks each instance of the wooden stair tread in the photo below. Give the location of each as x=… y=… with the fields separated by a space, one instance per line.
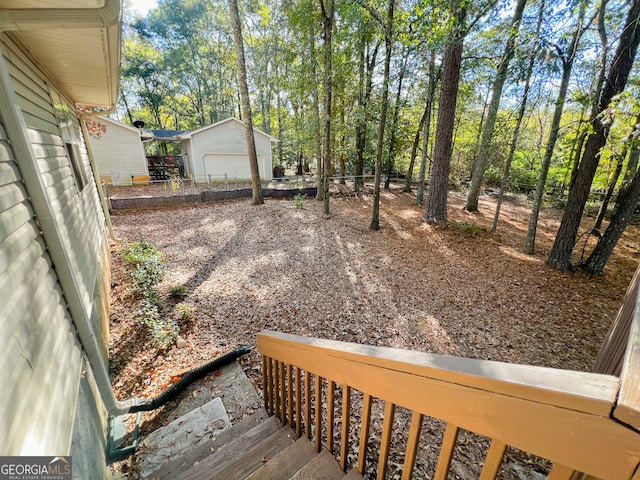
x=321 y=467
x=353 y=474
x=287 y=462
x=173 y=468
x=244 y=454
x=252 y=460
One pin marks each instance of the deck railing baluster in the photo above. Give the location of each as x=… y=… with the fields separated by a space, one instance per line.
x=276 y=387
x=493 y=461
x=560 y=472
x=412 y=445
x=265 y=382
x=385 y=444
x=331 y=390
x=364 y=432
x=346 y=416
x=307 y=402
x=446 y=451
x=298 y=402
x=318 y=419
x=290 y=394
x=283 y=394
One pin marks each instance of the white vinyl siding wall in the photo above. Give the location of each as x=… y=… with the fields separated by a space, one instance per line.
x=39 y=350
x=119 y=149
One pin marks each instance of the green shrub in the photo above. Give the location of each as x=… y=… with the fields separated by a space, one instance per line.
x=492 y=177
x=299 y=199
x=468 y=229
x=147 y=267
x=146 y=270
x=178 y=291
x=185 y=311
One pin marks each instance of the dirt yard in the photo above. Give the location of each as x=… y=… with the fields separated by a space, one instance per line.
x=459 y=290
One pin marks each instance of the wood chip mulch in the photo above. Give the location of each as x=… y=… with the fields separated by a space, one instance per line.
x=459 y=290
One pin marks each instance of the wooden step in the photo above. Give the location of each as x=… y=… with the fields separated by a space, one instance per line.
x=287 y=462
x=353 y=475
x=243 y=456
x=321 y=467
x=173 y=468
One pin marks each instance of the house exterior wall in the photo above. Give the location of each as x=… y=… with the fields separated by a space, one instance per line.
x=222 y=149
x=40 y=352
x=118 y=152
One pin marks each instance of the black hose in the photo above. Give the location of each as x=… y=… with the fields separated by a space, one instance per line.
x=145 y=405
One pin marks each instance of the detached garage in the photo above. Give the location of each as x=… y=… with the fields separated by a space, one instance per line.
x=118 y=151
x=220 y=149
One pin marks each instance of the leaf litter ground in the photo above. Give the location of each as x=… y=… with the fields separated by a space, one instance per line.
x=459 y=290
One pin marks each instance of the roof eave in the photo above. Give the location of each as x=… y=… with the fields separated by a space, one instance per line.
x=98 y=85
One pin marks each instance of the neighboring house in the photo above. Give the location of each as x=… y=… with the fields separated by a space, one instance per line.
x=118 y=152
x=212 y=152
x=57 y=58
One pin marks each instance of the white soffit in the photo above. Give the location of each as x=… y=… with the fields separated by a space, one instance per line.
x=85 y=62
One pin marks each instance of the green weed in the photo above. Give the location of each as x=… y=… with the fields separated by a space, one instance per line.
x=178 y=291
x=468 y=229
x=185 y=311
x=299 y=199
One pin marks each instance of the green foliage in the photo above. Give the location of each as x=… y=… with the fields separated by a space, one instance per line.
x=178 y=72
x=493 y=176
x=184 y=311
x=178 y=291
x=299 y=199
x=175 y=183
x=147 y=265
x=146 y=270
x=163 y=331
x=469 y=230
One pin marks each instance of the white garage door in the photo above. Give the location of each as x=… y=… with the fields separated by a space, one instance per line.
x=217 y=165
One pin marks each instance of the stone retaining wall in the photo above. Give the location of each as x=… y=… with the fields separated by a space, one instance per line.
x=145 y=203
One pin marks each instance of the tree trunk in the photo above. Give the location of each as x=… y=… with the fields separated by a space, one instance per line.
x=375 y=218
x=431 y=91
x=482 y=162
x=436 y=211
x=611 y=187
x=343 y=141
x=317 y=124
x=394 y=122
x=627 y=203
x=414 y=152
x=576 y=151
x=560 y=256
x=246 y=105
x=567 y=67
x=123 y=97
x=634 y=156
x=327 y=15
x=358 y=181
x=365 y=85
x=516 y=132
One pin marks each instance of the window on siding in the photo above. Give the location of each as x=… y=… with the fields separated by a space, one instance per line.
x=76 y=165
x=68 y=126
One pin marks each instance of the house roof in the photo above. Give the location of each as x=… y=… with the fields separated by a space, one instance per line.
x=77 y=42
x=217 y=124
x=167 y=135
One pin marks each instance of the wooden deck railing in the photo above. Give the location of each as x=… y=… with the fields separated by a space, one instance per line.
x=563 y=416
